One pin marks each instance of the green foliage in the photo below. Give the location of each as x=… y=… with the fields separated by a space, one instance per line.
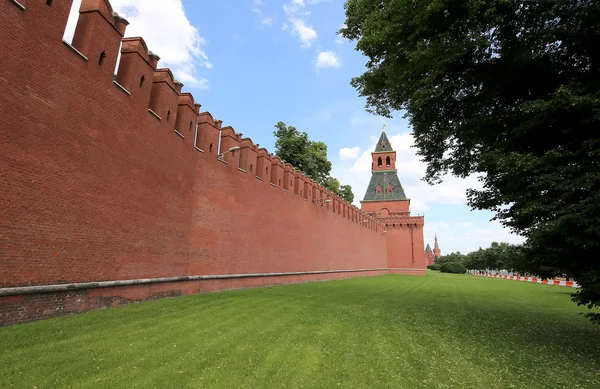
x=453 y=267
x=506 y=89
x=498 y=256
x=333 y=184
x=310 y=157
x=452 y=257
x=346 y=193
x=435 y=266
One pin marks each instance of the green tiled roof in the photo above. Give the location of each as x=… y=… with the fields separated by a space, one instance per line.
x=383 y=178
x=428 y=248
x=383 y=144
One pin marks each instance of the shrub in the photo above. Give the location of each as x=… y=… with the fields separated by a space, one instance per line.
x=435 y=266
x=453 y=267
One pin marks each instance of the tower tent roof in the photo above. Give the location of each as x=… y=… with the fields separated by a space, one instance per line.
x=428 y=248
x=383 y=144
x=385 y=185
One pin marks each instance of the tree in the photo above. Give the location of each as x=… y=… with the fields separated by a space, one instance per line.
x=310 y=157
x=508 y=90
x=333 y=184
x=346 y=193
x=498 y=256
x=453 y=267
x=452 y=257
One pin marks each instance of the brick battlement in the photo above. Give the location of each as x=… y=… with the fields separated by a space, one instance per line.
x=100 y=31
x=115 y=179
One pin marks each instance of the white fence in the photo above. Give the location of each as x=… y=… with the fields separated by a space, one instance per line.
x=509 y=276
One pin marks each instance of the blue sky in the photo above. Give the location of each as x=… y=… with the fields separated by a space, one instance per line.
x=252 y=63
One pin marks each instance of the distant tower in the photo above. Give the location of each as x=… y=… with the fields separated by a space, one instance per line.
x=436 y=248
x=429 y=258
x=386 y=201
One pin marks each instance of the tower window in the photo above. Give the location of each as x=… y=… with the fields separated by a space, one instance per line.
x=379 y=161
x=102 y=56
x=142 y=79
x=250 y=168
x=168 y=115
x=387 y=161
x=210 y=148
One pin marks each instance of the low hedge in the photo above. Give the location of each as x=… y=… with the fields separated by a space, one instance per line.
x=453 y=267
x=435 y=266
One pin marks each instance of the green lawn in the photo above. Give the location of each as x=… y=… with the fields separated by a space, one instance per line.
x=439 y=331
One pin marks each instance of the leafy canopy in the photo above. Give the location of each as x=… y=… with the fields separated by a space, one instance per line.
x=310 y=157
x=453 y=267
x=508 y=90
x=499 y=256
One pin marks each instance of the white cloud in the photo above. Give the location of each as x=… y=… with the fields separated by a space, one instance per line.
x=265 y=20
x=305 y=33
x=349 y=152
x=166 y=30
x=327 y=59
x=433 y=228
x=293 y=7
x=297 y=15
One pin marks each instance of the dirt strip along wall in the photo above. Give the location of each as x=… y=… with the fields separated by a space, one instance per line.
x=105 y=178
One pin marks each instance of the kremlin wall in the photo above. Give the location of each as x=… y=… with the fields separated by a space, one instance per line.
x=114 y=190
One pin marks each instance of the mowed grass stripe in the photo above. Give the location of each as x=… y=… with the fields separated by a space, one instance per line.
x=438 y=331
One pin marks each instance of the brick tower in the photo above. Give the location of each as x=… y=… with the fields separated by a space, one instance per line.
x=429 y=257
x=386 y=201
x=436 y=248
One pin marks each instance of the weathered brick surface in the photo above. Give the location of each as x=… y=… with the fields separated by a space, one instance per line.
x=94 y=187
x=18 y=309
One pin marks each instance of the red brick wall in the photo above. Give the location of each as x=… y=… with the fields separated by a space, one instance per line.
x=429 y=258
x=96 y=188
x=404 y=233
